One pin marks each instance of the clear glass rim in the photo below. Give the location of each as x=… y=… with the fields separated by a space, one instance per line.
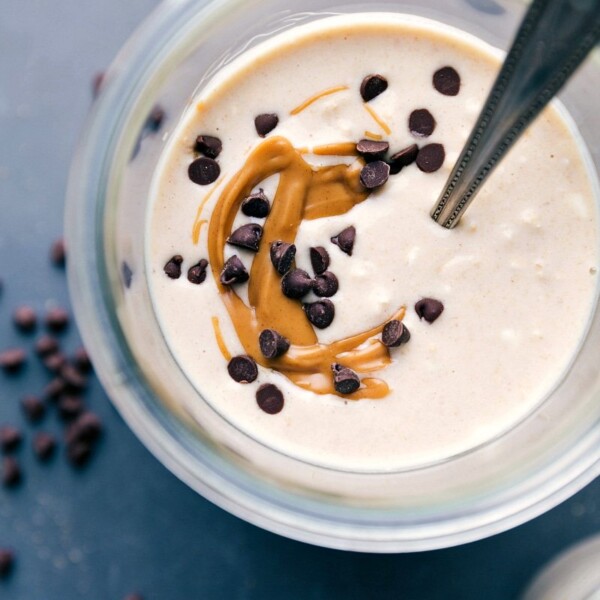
x=211 y=476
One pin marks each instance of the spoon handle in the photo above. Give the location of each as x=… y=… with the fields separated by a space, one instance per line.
x=554 y=38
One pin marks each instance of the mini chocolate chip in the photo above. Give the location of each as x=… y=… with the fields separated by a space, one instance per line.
x=344 y=240
x=10 y=438
x=272 y=344
x=374 y=174
x=269 y=398
x=403 y=158
x=256 y=205
x=320 y=313
x=73 y=378
x=282 y=256
x=12 y=360
x=11 y=471
x=204 y=171
x=57 y=319
x=371 y=149
x=395 y=333
x=81 y=360
x=55 y=388
x=70 y=406
x=25 y=318
x=431 y=157
x=55 y=362
x=44 y=445
x=319 y=259
x=296 y=283
x=234 y=271
x=45 y=345
x=197 y=273
x=33 y=408
x=97 y=82
x=58 y=254
x=242 y=369
x=345 y=380
x=127 y=274
x=429 y=309
x=372 y=86
x=78 y=453
x=247 y=236
x=156 y=118
x=208 y=145
x=265 y=123
x=173 y=266
x=7 y=561
x=325 y=285
x=421 y=122
x=86 y=428
x=446 y=81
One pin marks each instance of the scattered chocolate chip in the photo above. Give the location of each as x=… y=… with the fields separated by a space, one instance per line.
x=272 y=344
x=97 y=82
x=11 y=471
x=242 y=369
x=197 y=273
x=395 y=333
x=345 y=380
x=371 y=149
x=429 y=309
x=372 y=86
x=374 y=174
x=127 y=274
x=320 y=313
x=86 y=428
x=70 y=406
x=446 y=81
x=282 y=256
x=234 y=271
x=247 y=236
x=155 y=118
x=319 y=259
x=325 y=285
x=431 y=157
x=33 y=408
x=344 y=240
x=269 y=398
x=296 y=283
x=421 y=122
x=55 y=362
x=208 y=145
x=81 y=360
x=10 y=438
x=403 y=158
x=57 y=319
x=73 y=379
x=58 y=254
x=55 y=388
x=45 y=345
x=265 y=123
x=78 y=453
x=7 y=561
x=12 y=360
x=44 y=445
x=204 y=171
x=256 y=205
x=25 y=319
x=173 y=266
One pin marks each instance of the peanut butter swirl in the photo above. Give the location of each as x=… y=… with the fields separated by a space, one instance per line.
x=304 y=192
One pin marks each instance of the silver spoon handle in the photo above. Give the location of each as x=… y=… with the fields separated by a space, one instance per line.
x=553 y=39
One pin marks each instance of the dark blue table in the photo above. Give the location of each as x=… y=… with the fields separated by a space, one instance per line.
x=124 y=523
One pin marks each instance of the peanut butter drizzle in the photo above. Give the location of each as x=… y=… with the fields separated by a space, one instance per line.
x=373 y=136
x=220 y=341
x=312 y=99
x=303 y=192
x=378 y=119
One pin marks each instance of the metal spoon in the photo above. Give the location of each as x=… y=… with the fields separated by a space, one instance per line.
x=554 y=38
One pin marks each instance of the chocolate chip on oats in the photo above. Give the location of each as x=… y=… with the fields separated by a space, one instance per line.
x=345 y=380
x=73 y=379
x=319 y=259
x=127 y=274
x=447 y=81
x=395 y=333
x=265 y=123
x=272 y=344
x=58 y=254
x=12 y=360
x=209 y=145
x=344 y=240
x=256 y=205
x=421 y=122
x=44 y=445
x=403 y=158
x=55 y=362
x=247 y=236
x=269 y=398
x=372 y=86
x=325 y=285
x=374 y=174
x=33 y=408
x=204 y=171
x=7 y=560
x=242 y=369
x=10 y=438
x=57 y=319
x=282 y=256
x=296 y=283
x=55 y=388
x=70 y=406
x=371 y=149
x=173 y=266
x=234 y=271
x=25 y=318
x=11 y=471
x=197 y=273
x=320 y=313
x=429 y=309
x=431 y=157
x=45 y=345
x=81 y=360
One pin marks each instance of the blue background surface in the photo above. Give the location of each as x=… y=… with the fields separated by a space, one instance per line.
x=125 y=523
